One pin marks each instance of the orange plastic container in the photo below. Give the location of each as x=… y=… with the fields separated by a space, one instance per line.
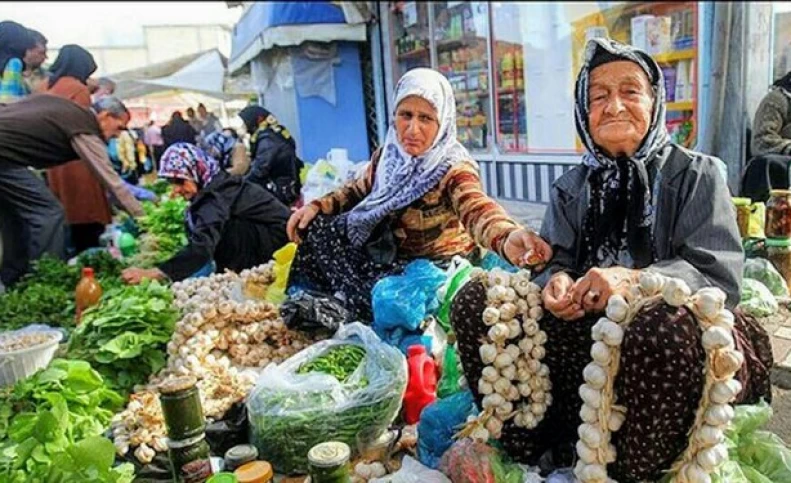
x=88 y=292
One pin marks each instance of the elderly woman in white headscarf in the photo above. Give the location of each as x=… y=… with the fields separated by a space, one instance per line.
x=420 y=197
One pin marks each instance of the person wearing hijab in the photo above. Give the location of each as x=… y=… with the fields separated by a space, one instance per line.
x=771 y=144
x=636 y=202
x=15 y=41
x=419 y=197
x=273 y=153
x=230 y=221
x=83 y=198
x=177 y=131
x=225 y=147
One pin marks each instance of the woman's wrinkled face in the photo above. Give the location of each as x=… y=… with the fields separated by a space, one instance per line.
x=185 y=188
x=416 y=125
x=621 y=106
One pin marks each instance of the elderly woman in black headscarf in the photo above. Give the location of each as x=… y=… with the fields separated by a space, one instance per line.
x=273 y=153
x=636 y=202
x=15 y=40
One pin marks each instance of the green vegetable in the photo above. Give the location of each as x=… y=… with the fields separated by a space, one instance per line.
x=340 y=362
x=164 y=231
x=51 y=426
x=125 y=335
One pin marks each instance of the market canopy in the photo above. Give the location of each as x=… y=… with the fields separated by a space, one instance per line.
x=269 y=24
x=204 y=72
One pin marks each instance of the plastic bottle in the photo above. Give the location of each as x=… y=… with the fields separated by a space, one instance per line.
x=422 y=388
x=87 y=293
x=449 y=382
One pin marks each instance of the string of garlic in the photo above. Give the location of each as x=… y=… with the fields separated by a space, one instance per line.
x=190 y=294
x=514 y=382
x=601 y=417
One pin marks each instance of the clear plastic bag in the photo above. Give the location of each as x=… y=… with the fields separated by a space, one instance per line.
x=762 y=270
x=290 y=413
x=413 y=472
x=475 y=462
x=756 y=299
x=404 y=301
x=439 y=422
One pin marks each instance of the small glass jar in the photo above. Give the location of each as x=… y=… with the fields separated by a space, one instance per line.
x=329 y=463
x=778 y=214
x=778 y=251
x=743 y=215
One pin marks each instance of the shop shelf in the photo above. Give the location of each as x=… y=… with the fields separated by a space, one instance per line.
x=413 y=54
x=680 y=106
x=674 y=56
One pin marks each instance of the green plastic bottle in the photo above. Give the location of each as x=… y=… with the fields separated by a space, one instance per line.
x=449 y=382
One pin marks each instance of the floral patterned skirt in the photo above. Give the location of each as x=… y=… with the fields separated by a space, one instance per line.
x=660 y=382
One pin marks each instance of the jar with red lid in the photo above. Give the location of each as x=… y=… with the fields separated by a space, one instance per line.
x=778 y=214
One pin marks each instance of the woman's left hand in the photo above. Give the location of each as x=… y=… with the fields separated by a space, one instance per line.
x=133 y=275
x=525 y=248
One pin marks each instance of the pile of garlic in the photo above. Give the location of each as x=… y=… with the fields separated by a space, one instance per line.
x=210 y=344
x=514 y=382
x=705 y=451
x=190 y=294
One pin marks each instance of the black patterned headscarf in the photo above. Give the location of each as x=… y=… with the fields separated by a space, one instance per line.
x=617 y=226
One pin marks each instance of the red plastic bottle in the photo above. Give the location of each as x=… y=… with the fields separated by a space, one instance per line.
x=422 y=387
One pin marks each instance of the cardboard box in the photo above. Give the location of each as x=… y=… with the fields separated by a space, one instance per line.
x=640 y=31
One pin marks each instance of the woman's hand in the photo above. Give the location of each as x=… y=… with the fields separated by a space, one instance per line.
x=558 y=300
x=597 y=286
x=299 y=221
x=525 y=248
x=133 y=275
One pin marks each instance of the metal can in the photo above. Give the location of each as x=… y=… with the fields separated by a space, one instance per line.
x=329 y=463
x=239 y=455
x=181 y=408
x=189 y=460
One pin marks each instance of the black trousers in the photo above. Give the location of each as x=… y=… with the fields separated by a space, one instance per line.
x=33 y=222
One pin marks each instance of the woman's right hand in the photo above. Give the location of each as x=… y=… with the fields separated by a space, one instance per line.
x=299 y=221
x=558 y=298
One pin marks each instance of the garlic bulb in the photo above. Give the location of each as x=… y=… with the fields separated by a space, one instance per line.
x=514 y=329
x=509 y=372
x=538 y=352
x=496 y=293
x=651 y=283
x=498 y=276
x=490 y=374
x=588 y=414
x=499 y=332
x=596 y=331
x=590 y=396
x=613 y=334
x=485 y=387
x=595 y=376
x=540 y=408
x=526 y=345
x=530 y=327
x=617 y=308
x=727 y=362
x=495 y=427
x=535 y=313
x=710 y=301
x=719 y=414
x=501 y=386
x=586 y=453
x=695 y=474
x=480 y=434
x=710 y=458
x=503 y=359
x=600 y=353
x=616 y=421
x=507 y=311
x=717 y=338
x=488 y=353
x=676 y=292
x=505 y=410
x=726 y=391
x=724 y=319
x=593 y=473
x=590 y=435
x=492 y=401
x=524 y=389
x=491 y=316
x=709 y=435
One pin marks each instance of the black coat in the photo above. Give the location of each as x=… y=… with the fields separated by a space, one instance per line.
x=236 y=223
x=275 y=166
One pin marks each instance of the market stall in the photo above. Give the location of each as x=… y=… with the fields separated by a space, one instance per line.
x=222 y=377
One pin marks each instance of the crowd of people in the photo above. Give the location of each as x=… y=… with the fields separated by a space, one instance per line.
x=637 y=201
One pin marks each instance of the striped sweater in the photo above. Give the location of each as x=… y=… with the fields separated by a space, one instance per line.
x=447 y=221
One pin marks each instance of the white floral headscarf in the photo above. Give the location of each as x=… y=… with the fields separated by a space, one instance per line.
x=401 y=178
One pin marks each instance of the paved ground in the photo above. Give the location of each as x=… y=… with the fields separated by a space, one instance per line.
x=779 y=326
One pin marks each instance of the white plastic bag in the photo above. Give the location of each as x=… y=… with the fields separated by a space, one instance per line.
x=290 y=413
x=413 y=472
x=327 y=175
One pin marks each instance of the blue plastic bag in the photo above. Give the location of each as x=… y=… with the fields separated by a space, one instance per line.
x=404 y=301
x=439 y=421
x=492 y=260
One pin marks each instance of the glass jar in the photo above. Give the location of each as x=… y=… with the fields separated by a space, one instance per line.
x=778 y=251
x=329 y=463
x=778 y=214
x=189 y=460
x=743 y=215
x=181 y=408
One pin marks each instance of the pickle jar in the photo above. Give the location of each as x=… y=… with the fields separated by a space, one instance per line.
x=778 y=214
x=778 y=251
x=743 y=215
x=329 y=463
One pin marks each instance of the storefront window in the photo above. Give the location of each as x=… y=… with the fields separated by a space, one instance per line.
x=538 y=50
x=410 y=34
x=461 y=34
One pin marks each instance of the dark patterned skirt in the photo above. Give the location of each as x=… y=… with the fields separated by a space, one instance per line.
x=327 y=262
x=660 y=382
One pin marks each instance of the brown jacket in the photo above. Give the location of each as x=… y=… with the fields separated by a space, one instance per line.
x=83 y=197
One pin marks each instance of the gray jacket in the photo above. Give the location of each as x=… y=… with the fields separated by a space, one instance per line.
x=695 y=231
x=772 y=124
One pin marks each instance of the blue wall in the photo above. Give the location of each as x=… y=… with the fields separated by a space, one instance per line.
x=323 y=126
